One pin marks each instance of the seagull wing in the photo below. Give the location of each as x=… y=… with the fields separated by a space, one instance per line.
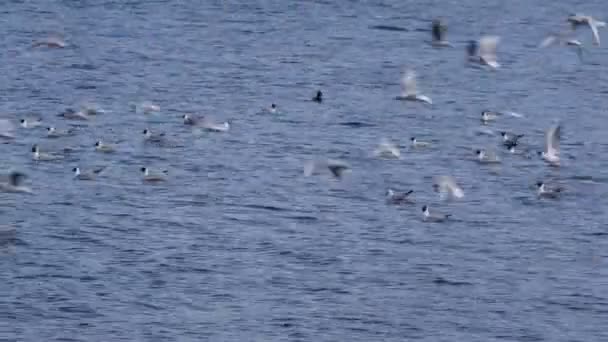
x=447 y=184
x=7 y=128
x=596 y=36
x=552 y=140
x=487 y=48
x=550 y=40
x=408 y=83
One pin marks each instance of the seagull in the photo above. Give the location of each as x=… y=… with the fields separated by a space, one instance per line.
x=152 y=178
x=393 y=197
x=387 y=149
x=433 y=217
x=487 y=116
x=577 y=20
x=484 y=157
x=52 y=132
x=71 y=114
x=13 y=184
x=7 y=130
x=190 y=120
x=212 y=126
x=510 y=139
x=543 y=192
x=25 y=123
x=418 y=144
x=318 y=97
x=335 y=167
x=565 y=37
x=551 y=152
x=439 y=30
x=91 y=175
x=91 y=109
x=408 y=89
x=39 y=156
x=484 y=51
x=447 y=188
x=154 y=138
x=105 y=148
x=50 y=42
x=145 y=107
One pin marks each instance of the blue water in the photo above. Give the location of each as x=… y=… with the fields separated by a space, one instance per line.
x=238 y=245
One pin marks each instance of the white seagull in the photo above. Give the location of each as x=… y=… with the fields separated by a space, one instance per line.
x=409 y=91
x=484 y=51
x=433 y=216
x=447 y=188
x=576 y=20
x=551 y=152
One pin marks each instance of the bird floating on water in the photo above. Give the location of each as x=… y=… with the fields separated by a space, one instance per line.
x=88 y=175
x=394 y=197
x=542 y=191
x=433 y=216
x=40 y=156
x=149 y=177
x=318 y=97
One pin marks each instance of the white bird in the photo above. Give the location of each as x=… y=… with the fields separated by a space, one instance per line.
x=152 y=178
x=484 y=51
x=433 y=216
x=487 y=116
x=105 y=148
x=146 y=107
x=90 y=175
x=50 y=42
x=418 y=144
x=154 y=138
x=336 y=167
x=25 y=123
x=551 y=152
x=447 y=188
x=485 y=157
x=91 y=109
x=7 y=130
x=387 y=149
x=206 y=123
x=212 y=126
x=39 y=156
x=409 y=91
x=510 y=139
x=52 y=132
x=13 y=183
x=71 y=114
x=393 y=197
x=542 y=191
x=273 y=108
x=577 y=20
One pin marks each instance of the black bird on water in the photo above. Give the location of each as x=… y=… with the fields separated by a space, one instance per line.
x=318 y=97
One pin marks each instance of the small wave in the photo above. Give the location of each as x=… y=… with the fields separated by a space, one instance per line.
x=388 y=28
x=443 y=281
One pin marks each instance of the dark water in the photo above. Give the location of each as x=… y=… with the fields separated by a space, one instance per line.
x=238 y=245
